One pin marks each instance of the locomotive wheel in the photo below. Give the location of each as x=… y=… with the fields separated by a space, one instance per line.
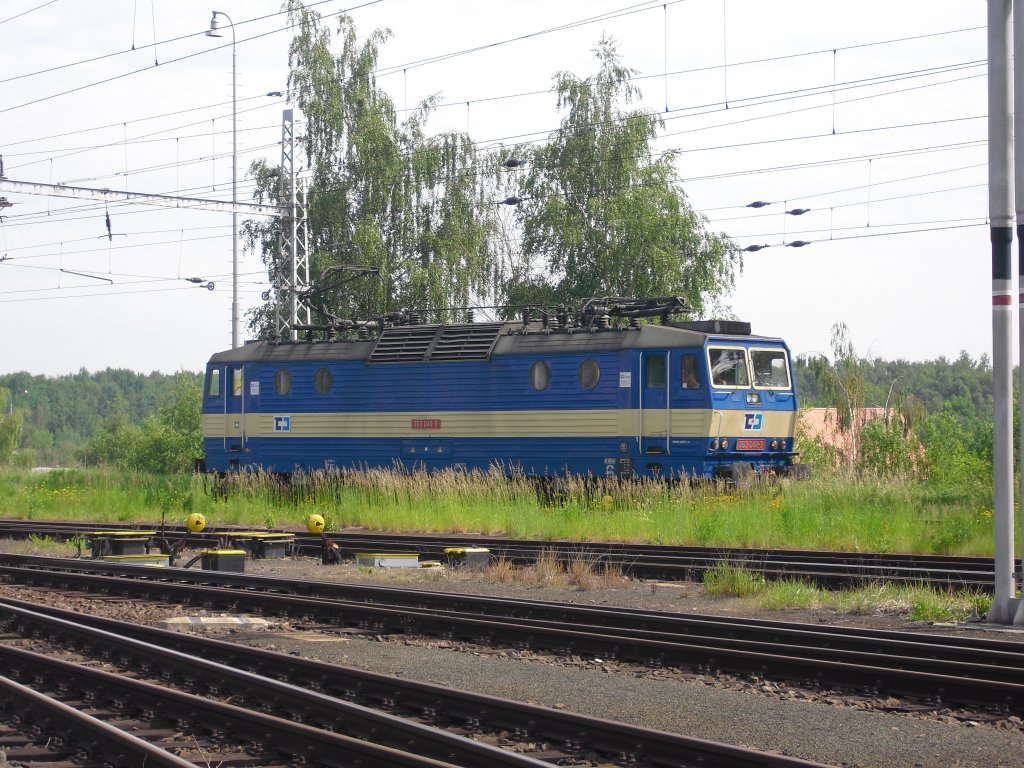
x=742 y=475
x=799 y=471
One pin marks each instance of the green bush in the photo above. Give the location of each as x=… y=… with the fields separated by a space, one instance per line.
x=886 y=451
x=953 y=462
x=166 y=442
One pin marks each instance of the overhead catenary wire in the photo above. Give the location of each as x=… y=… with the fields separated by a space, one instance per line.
x=855 y=131
x=860 y=202
x=876 y=79
x=687 y=179
x=811 y=195
x=27 y=11
x=871 y=80
x=113 y=54
x=143 y=139
x=741 y=63
x=979 y=220
x=822 y=241
x=147 y=68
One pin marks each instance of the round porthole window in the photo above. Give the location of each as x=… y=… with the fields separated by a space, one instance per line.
x=323 y=381
x=540 y=375
x=589 y=374
x=283 y=381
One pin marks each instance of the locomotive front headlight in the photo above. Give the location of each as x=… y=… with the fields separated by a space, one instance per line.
x=714 y=444
x=775 y=445
x=725 y=444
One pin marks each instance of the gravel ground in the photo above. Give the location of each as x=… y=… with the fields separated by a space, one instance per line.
x=827 y=727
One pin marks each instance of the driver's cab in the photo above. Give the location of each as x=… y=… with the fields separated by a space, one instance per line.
x=739 y=367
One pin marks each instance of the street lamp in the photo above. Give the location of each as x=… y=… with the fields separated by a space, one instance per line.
x=214 y=31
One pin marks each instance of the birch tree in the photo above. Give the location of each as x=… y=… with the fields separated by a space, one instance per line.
x=384 y=194
x=603 y=214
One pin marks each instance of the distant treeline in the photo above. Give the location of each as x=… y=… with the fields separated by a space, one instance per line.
x=964 y=384
x=63 y=414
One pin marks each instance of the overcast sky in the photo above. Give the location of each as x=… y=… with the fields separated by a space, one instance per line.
x=870 y=114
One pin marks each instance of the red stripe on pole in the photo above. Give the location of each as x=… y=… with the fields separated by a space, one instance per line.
x=1002 y=300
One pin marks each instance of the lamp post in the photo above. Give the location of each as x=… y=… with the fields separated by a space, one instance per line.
x=214 y=31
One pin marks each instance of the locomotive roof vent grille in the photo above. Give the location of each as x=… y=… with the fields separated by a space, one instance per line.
x=407 y=343
x=416 y=343
x=472 y=341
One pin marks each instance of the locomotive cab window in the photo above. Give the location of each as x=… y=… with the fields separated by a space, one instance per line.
x=236 y=382
x=283 y=381
x=589 y=374
x=655 y=371
x=728 y=367
x=690 y=378
x=540 y=375
x=213 y=383
x=771 y=368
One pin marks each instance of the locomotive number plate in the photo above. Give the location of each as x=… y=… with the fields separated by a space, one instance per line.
x=750 y=445
x=426 y=424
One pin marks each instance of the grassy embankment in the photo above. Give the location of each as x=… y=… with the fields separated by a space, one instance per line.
x=823 y=513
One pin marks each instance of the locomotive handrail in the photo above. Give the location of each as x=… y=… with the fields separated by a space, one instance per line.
x=640 y=404
x=245 y=383
x=668 y=402
x=224 y=388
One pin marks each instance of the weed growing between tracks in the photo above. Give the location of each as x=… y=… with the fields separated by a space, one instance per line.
x=829 y=512
x=917 y=603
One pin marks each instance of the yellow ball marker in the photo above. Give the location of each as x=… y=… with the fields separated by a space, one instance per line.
x=315 y=524
x=195 y=522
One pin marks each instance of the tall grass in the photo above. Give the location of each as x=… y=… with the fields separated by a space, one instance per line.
x=917 y=603
x=823 y=513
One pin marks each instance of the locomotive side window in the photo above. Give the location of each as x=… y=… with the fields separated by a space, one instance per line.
x=690 y=373
x=655 y=372
x=283 y=381
x=771 y=369
x=589 y=374
x=323 y=381
x=728 y=367
x=236 y=382
x=213 y=387
x=540 y=375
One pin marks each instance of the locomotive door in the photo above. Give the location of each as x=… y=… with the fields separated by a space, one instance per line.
x=234 y=409
x=655 y=416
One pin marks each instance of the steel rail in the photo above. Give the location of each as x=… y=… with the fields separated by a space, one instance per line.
x=647 y=561
x=581 y=733
x=990 y=677
x=605 y=617
x=77 y=729
x=353 y=719
x=280 y=735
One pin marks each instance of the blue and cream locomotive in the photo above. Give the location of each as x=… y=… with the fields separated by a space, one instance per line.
x=541 y=397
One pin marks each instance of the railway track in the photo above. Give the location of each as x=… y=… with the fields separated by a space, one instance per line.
x=642 y=561
x=935 y=669
x=316 y=713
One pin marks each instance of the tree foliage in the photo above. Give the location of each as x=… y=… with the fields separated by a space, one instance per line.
x=62 y=413
x=843 y=383
x=383 y=193
x=166 y=442
x=602 y=215
x=10 y=426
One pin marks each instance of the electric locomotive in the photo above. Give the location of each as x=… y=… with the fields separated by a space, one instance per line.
x=597 y=394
